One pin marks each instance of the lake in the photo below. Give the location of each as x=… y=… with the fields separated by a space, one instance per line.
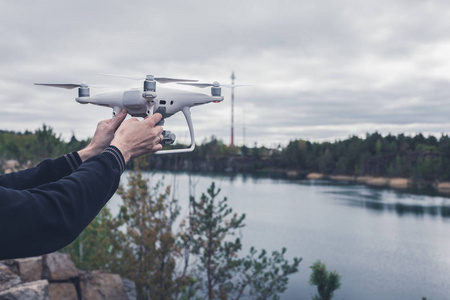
x=385 y=244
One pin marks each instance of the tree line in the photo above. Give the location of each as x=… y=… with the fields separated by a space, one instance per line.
x=29 y=148
x=416 y=157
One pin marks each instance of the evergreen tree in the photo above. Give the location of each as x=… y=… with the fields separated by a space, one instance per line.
x=326 y=282
x=221 y=273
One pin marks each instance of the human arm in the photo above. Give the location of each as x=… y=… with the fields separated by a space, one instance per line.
x=51 y=170
x=48 y=217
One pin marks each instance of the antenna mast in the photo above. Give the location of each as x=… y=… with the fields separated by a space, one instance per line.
x=244 y=128
x=232 y=108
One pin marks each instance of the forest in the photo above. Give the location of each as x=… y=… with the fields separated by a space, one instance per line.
x=417 y=157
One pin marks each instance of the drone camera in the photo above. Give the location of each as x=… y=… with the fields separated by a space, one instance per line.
x=168 y=138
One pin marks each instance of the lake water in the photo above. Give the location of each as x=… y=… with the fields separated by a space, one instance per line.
x=385 y=244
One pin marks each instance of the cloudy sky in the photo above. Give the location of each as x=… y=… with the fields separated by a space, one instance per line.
x=318 y=70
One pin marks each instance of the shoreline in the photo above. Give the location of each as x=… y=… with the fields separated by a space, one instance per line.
x=395 y=183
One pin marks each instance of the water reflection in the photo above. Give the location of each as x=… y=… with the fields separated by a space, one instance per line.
x=381 y=200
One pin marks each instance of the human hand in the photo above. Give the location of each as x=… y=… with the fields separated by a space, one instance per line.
x=103 y=136
x=135 y=138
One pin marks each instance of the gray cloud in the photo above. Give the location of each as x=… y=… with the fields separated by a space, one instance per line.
x=319 y=70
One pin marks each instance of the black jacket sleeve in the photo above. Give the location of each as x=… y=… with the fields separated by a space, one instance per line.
x=49 y=170
x=45 y=218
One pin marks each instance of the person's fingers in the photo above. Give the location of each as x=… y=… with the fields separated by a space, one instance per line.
x=157 y=147
x=158 y=129
x=132 y=120
x=153 y=119
x=115 y=122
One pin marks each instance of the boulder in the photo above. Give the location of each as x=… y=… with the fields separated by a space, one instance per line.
x=8 y=278
x=315 y=176
x=58 y=267
x=30 y=269
x=130 y=288
x=399 y=183
x=443 y=187
x=36 y=290
x=378 y=181
x=99 y=285
x=63 y=291
x=54 y=276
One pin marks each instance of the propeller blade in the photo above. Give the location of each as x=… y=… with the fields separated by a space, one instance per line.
x=158 y=79
x=233 y=85
x=200 y=85
x=169 y=80
x=68 y=86
x=203 y=85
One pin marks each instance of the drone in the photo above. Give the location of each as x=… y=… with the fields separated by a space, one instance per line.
x=147 y=101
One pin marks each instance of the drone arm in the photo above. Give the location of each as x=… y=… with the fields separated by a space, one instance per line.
x=187 y=114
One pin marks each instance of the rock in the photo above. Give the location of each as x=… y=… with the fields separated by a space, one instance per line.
x=63 y=291
x=399 y=183
x=58 y=267
x=342 y=178
x=443 y=187
x=98 y=285
x=10 y=166
x=8 y=278
x=12 y=265
x=315 y=176
x=30 y=269
x=363 y=179
x=130 y=288
x=20 y=279
x=291 y=174
x=378 y=181
x=36 y=290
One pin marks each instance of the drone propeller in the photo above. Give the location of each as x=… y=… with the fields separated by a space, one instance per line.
x=216 y=87
x=70 y=86
x=83 y=88
x=214 y=84
x=151 y=78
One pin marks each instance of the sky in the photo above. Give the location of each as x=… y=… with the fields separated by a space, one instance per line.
x=318 y=70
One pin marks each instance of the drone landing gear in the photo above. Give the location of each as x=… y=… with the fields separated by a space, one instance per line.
x=171 y=137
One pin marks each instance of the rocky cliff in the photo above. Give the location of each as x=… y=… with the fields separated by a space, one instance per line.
x=54 y=276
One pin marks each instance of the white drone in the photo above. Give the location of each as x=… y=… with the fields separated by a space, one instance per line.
x=142 y=103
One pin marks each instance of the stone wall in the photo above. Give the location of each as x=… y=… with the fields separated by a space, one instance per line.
x=54 y=276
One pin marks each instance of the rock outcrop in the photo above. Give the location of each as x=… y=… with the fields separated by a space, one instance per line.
x=54 y=276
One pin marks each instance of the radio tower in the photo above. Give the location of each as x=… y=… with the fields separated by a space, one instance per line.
x=232 y=108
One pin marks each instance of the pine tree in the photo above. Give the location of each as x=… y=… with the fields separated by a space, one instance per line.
x=326 y=282
x=221 y=273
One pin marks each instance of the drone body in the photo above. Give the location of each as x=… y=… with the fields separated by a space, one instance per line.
x=149 y=100
x=167 y=102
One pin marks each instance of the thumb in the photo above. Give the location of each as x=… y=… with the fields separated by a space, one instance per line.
x=118 y=119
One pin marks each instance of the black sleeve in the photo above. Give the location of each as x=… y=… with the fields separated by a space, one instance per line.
x=44 y=219
x=49 y=170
